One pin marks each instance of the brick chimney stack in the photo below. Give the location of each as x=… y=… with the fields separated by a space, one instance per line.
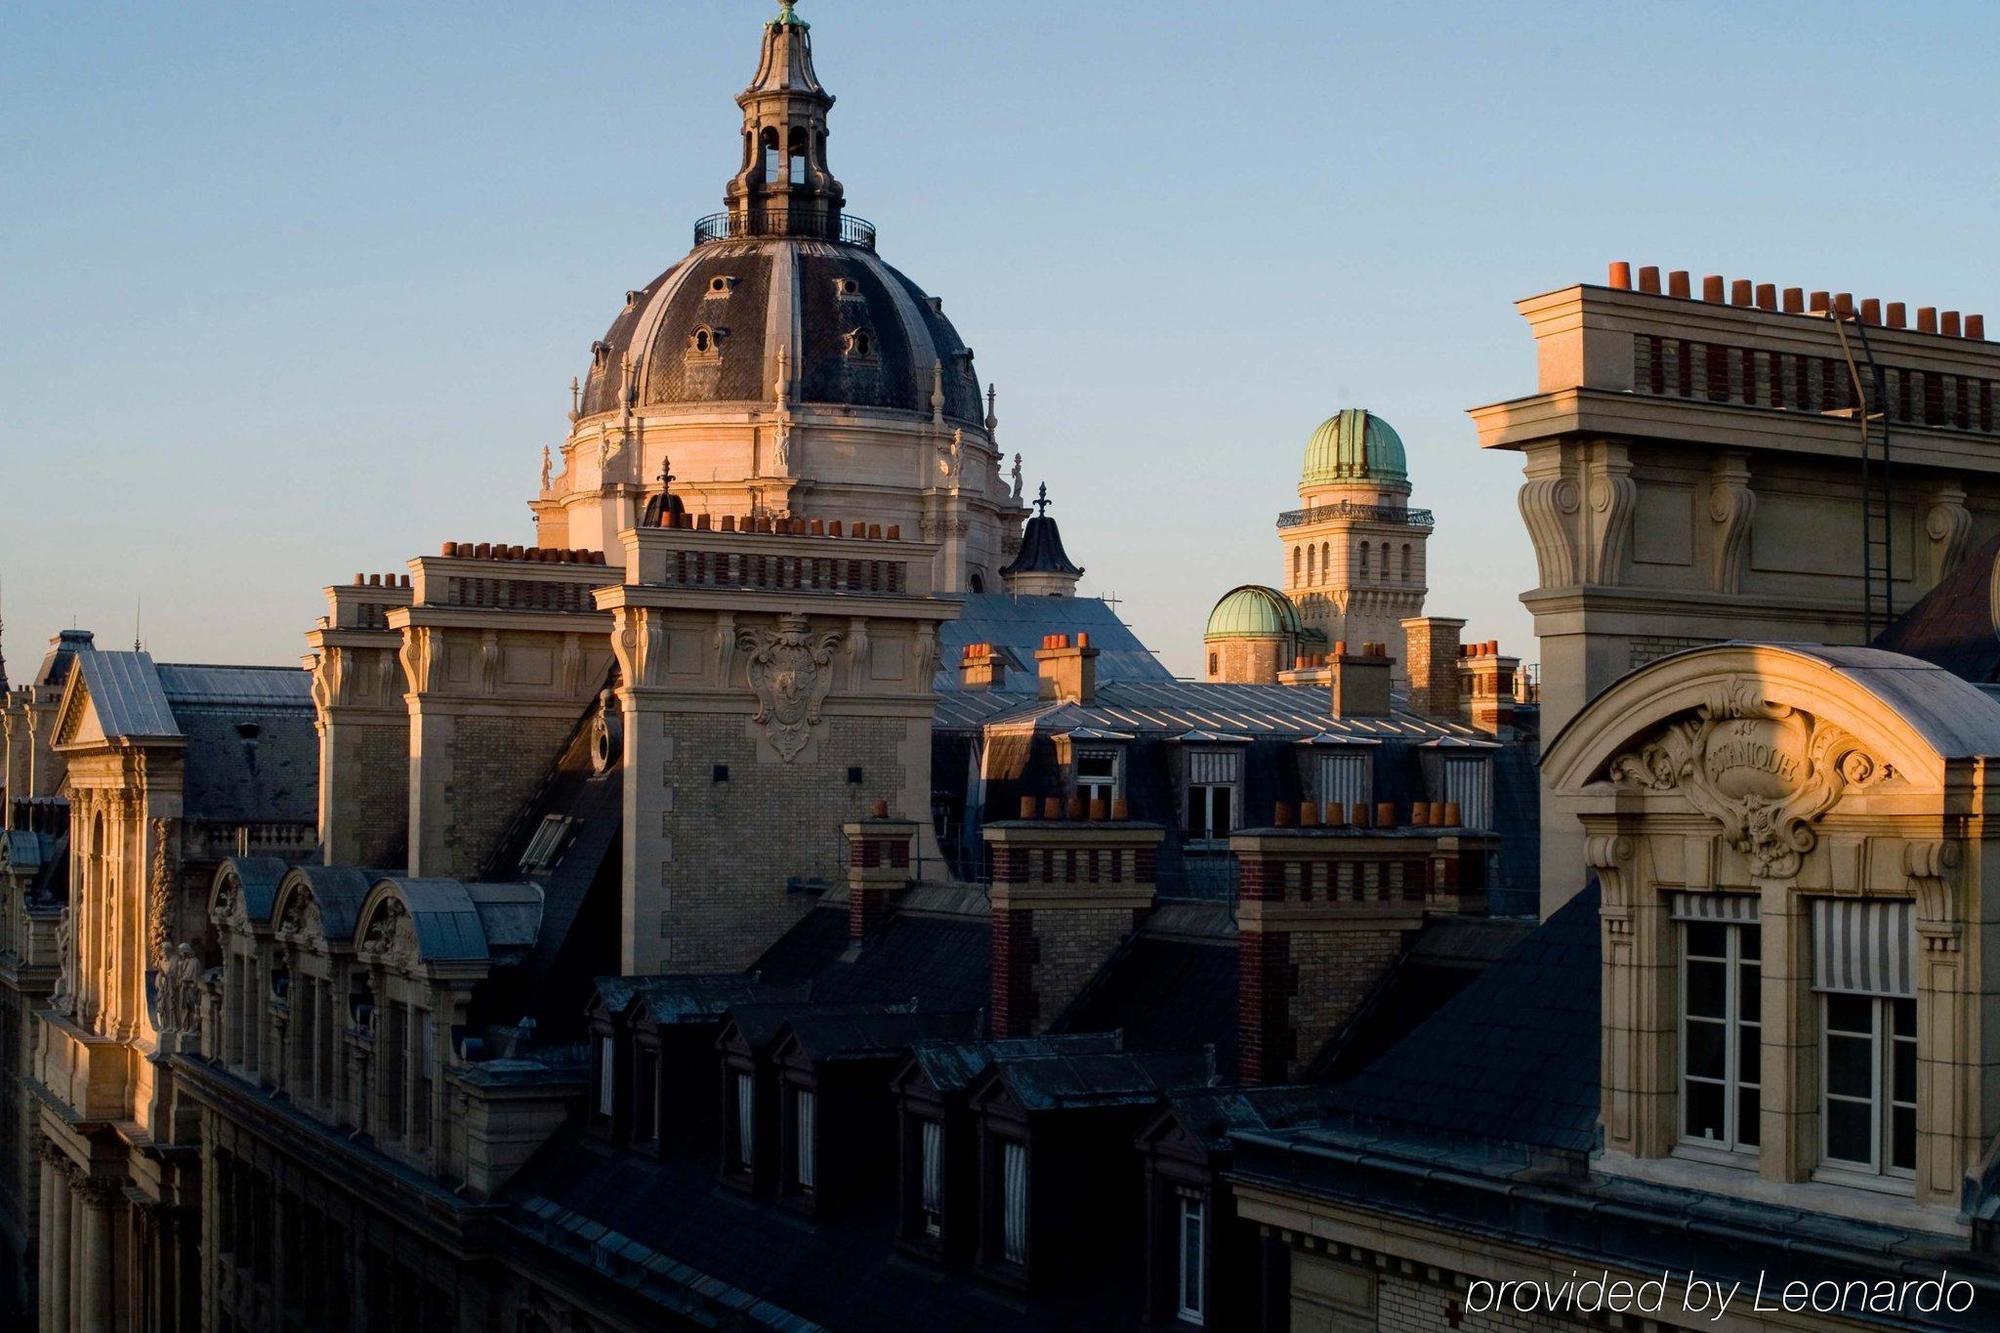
x=1486 y=682
x=1067 y=666
x=878 y=868
x=1066 y=893
x=1359 y=681
x=1324 y=911
x=982 y=667
x=1431 y=659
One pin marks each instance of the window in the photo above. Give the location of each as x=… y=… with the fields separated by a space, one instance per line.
x=1312 y=563
x=771 y=154
x=933 y=1177
x=804 y=1129
x=1214 y=663
x=1721 y=1032
x=1869 y=1055
x=392 y=1050
x=645 y=1095
x=1466 y=783
x=1014 y=1202
x=606 y=1102
x=420 y=1084
x=547 y=844
x=1863 y=967
x=1346 y=778
x=746 y=1125
x=1097 y=775
x=1212 y=777
x=1364 y=559
x=1406 y=562
x=1298 y=559
x=1326 y=562
x=1192 y=1290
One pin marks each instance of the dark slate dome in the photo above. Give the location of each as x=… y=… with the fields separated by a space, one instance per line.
x=854 y=332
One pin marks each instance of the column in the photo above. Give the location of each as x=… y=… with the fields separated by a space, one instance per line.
x=94 y=1257
x=45 y=1239
x=55 y=1296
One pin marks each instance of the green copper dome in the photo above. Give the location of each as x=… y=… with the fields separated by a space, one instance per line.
x=1252 y=612
x=1354 y=445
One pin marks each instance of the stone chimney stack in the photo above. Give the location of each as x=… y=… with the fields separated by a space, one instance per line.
x=1431 y=658
x=1325 y=909
x=878 y=868
x=1359 y=684
x=1067 y=666
x=1486 y=682
x=982 y=667
x=1066 y=893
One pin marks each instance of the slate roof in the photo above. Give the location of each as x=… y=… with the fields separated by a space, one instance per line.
x=834 y=1035
x=952 y=1065
x=126 y=695
x=257 y=877
x=942 y=963
x=672 y=1000
x=1165 y=990
x=1015 y=626
x=1512 y=1057
x=252 y=753
x=1068 y=1080
x=686 y=1240
x=1176 y=707
x=1042 y=550
x=338 y=892
x=1951 y=626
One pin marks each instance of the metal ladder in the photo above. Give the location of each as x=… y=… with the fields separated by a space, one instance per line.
x=1878 y=597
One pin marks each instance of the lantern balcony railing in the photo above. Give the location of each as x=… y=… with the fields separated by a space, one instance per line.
x=815 y=226
x=1397 y=514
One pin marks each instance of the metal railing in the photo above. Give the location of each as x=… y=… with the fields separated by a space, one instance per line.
x=1409 y=518
x=743 y=226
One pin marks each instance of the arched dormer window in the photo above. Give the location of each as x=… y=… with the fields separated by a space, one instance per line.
x=860 y=345
x=705 y=343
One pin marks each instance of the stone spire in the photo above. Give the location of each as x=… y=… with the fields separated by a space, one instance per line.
x=1041 y=568
x=784 y=187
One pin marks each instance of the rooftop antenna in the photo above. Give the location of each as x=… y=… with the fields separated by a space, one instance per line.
x=138 y=604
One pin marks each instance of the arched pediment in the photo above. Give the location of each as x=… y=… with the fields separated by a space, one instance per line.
x=317 y=907
x=244 y=891
x=1768 y=738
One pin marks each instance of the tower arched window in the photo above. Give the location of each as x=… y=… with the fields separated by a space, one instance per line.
x=1311 y=562
x=1297 y=558
x=1326 y=562
x=1406 y=562
x=801 y=137
x=772 y=163
x=1364 y=559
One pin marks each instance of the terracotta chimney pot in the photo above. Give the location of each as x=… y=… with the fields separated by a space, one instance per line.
x=1927 y=319
x=1385 y=814
x=1121 y=810
x=1649 y=279
x=1711 y=287
x=1052 y=807
x=1975 y=327
x=1027 y=807
x=1363 y=815
x=1795 y=300
x=1282 y=815
x=1308 y=814
x=1948 y=324
x=1621 y=275
x=1767 y=296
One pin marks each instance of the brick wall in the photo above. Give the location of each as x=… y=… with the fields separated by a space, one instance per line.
x=367 y=772
x=1070 y=946
x=709 y=891
x=496 y=764
x=1331 y=1295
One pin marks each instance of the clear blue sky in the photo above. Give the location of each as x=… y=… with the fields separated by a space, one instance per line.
x=292 y=291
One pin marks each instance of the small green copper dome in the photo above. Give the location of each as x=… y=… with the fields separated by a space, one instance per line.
x=1252 y=612
x=1354 y=445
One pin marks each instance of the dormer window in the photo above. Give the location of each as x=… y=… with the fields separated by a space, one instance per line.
x=1721 y=1030
x=1191 y=1265
x=805 y=1139
x=600 y=354
x=1014 y=1202
x=722 y=284
x=1468 y=780
x=743 y=1135
x=705 y=343
x=931 y=1176
x=1097 y=775
x=545 y=848
x=1864 y=971
x=859 y=345
x=846 y=289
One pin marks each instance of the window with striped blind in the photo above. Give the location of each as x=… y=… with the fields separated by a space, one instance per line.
x=1469 y=783
x=1346 y=777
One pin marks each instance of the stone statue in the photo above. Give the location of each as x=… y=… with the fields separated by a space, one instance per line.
x=63 y=998
x=180 y=992
x=1017 y=479
x=781 y=460
x=548 y=467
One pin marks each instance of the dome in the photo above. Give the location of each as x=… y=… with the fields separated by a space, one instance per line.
x=1253 y=612
x=854 y=332
x=1354 y=445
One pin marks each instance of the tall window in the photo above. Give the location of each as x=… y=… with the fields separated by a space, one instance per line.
x=1097 y=775
x=1864 y=969
x=1364 y=559
x=1312 y=562
x=746 y=1124
x=1212 y=780
x=1192 y=1289
x=1014 y=1202
x=933 y=1177
x=1869 y=1053
x=1406 y=562
x=426 y=1053
x=805 y=1127
x=606 y=1072
x=392 y=1051
x=1721 y=1035
x=645 y=1095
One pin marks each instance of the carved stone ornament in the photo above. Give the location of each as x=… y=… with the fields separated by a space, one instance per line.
x=1764 y=771
x=790 y=673
x=159 y=897
x=179 y=1009
x=63 y=998
x=391 y=937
